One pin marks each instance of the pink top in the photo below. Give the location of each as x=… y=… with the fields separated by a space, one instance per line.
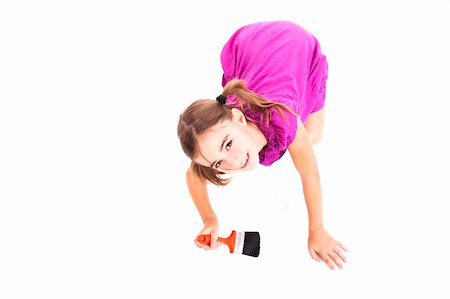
x=282 y=62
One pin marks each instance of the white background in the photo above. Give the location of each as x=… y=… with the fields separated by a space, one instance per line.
x=93 y=198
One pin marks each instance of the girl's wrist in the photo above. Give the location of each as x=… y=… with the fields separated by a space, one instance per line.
x=210 y=219
x=316 y=227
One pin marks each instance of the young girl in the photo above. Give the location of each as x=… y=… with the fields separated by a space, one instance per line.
x=274 y=76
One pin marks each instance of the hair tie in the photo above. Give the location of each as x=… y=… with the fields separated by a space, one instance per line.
x=222 y=99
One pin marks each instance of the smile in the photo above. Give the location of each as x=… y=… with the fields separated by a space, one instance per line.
x=245 y=162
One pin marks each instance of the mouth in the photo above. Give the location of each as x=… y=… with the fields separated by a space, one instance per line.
x=245 y=162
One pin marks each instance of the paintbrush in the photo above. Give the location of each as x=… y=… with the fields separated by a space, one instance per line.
x=238 y=242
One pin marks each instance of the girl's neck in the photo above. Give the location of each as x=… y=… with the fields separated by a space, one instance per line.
x=258 y=136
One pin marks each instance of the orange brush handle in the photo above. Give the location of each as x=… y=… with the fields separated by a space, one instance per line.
x=230 y=241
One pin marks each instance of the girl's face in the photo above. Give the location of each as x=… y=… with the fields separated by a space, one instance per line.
x=230 y=146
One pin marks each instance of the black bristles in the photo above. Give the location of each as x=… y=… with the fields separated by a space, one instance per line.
x=251 y=244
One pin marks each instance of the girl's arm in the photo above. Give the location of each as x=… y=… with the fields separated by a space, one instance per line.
x=199 y=193
x=302 y=154
x=320 y=244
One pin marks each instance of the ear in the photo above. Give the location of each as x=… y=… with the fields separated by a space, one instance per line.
x=238 y=116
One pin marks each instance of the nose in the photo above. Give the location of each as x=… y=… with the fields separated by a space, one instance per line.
x=234 y=161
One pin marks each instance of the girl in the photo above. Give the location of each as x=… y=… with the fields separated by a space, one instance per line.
x=274 y=76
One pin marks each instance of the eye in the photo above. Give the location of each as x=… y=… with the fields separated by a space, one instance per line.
x=227 y=147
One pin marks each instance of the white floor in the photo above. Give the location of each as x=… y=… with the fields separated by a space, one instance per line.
x=93 y=201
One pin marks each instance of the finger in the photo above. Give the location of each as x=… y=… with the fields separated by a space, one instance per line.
x=314 y=255
x=341 y=254
x=327 y=260
x=215 y=246
x=335 y=259
x=342 y=246
x=214 y=237
x=214 y=243
x=201 y=245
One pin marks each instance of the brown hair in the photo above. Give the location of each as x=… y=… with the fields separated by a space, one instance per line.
x=205 y=113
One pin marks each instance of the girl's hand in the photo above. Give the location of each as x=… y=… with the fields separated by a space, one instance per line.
x=211 y=227
x=323 y=247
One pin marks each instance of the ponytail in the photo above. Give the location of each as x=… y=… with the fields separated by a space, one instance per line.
x=253 y=101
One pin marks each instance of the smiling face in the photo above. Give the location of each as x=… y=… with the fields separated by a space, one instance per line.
x=231 y=146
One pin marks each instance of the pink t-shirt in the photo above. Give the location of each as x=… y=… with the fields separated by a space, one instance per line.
x=284 y=63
